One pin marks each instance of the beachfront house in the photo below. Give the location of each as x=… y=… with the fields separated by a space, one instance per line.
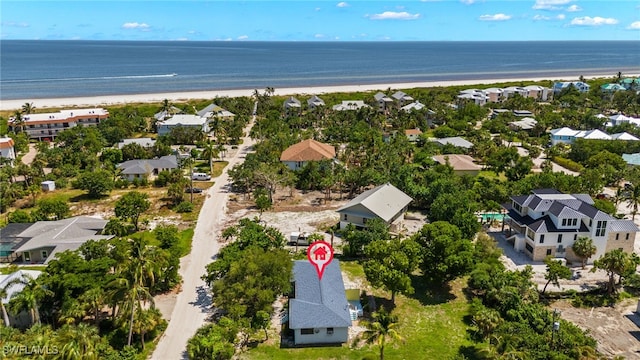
x=537 y=92
x=38 y=243
x=292 y=106
x=384 y=102
x=579 y=85
x=318 y=308
x=631 y=83
x=347 y=105
x=476 y=96
x=167 y=113
x=567 y=135
x=514 y=90
x=144 y=168
x=401 y=98
x=213 y=111
x=494 y=94
x=180 y=120
x=296 y=156
x=547 y=222
x=314 y=103
x=461 y=164
x=620 y=119
x=7 y=150
x=46 y=126
x=385 y=202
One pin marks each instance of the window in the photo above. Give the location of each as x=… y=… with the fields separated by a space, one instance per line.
x=617 y=236
x=590 y=222
x=548 y=251
x=44 y=254
x=364 y=220
x=575 y=237
x=560 y=238
x=564 y=222
x=27 y=256
x=627 y=237
x=345 y=217
x=542 y=239
x=529 y=248
x=601 y=227
x=306 y=331
x=574 y=222
x=329 y=331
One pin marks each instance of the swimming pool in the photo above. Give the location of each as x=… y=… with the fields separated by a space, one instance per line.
x=492 y=217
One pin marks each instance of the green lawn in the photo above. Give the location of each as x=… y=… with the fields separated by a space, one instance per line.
x=184 y=244
x=431 y=323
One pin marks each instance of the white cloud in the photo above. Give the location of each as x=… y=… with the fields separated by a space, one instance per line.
x=593 y=21
x=549 y=4
x=316 y=9
x=182 y=39
x=574 y=8
x=392 y=15
x=494 y=17
x=342 y=4
x=634 y=25
x=15 y=24
x=319 y=36
x=468 y=2
x=242 y=37
x=547 y=18
x=135 y=25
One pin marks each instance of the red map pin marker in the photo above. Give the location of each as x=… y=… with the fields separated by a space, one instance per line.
x=320 y=254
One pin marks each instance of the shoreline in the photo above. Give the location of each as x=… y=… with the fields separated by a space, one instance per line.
x=109 y=100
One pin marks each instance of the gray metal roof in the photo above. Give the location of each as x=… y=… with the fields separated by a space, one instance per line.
x=69 y=233
x=455 y=141
x=623 y=226
x=145 y=166
x=318 y=303
x=385 y=201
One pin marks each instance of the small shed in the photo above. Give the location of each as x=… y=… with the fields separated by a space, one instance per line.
x=48 y=185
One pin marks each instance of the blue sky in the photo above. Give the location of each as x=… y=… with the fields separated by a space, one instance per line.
x=428 y=20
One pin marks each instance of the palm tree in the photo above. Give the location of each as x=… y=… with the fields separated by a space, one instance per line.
x=28 y=108
x=381 y=328
x=17 y=121
x=30 y=296
x=71 y=312
x=3 y=295
x=633 y=199
x=78 y=342
x=584 y=248
x=210 y=151
x=93 y=300
x=614 y=262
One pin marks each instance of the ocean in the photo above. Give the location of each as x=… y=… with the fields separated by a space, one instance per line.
x=55 y=69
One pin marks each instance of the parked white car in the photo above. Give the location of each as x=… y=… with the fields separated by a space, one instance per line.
x=200 y=176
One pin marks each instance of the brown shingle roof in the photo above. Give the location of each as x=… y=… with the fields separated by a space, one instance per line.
x=458 y=162
x=308 y=150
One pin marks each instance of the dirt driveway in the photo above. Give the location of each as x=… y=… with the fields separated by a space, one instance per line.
x=617 y=329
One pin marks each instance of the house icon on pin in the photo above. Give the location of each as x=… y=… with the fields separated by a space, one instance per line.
x=320 y=253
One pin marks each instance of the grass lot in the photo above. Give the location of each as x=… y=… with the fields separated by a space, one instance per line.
x=184 y=244
x=6 y=270
x=431 y=323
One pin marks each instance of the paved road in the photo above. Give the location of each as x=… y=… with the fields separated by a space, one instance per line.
x=193 y=304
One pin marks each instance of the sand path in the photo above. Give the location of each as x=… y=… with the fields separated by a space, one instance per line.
x=193 y=303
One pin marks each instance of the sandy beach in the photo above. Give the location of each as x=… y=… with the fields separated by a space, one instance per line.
x=107 y=100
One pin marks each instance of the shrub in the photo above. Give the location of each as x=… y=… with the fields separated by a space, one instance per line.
x=184 y=207
x=19 y=216
x=568 y=163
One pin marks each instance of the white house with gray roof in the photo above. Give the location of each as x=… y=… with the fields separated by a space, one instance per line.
x=13 y=284
x=547 y=222
x=384 y=102
x=314 y=102
x=146 y=143
x=43 y=239
x=401 y=98
x=214 y=111
x=143 y=168
x=318 y=309
x=455 y=141
x=385 y=202
x=183 y=120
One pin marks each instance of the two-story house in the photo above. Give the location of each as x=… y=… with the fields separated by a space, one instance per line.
x=547 y=222
x=46 y=126
x=384 y=102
